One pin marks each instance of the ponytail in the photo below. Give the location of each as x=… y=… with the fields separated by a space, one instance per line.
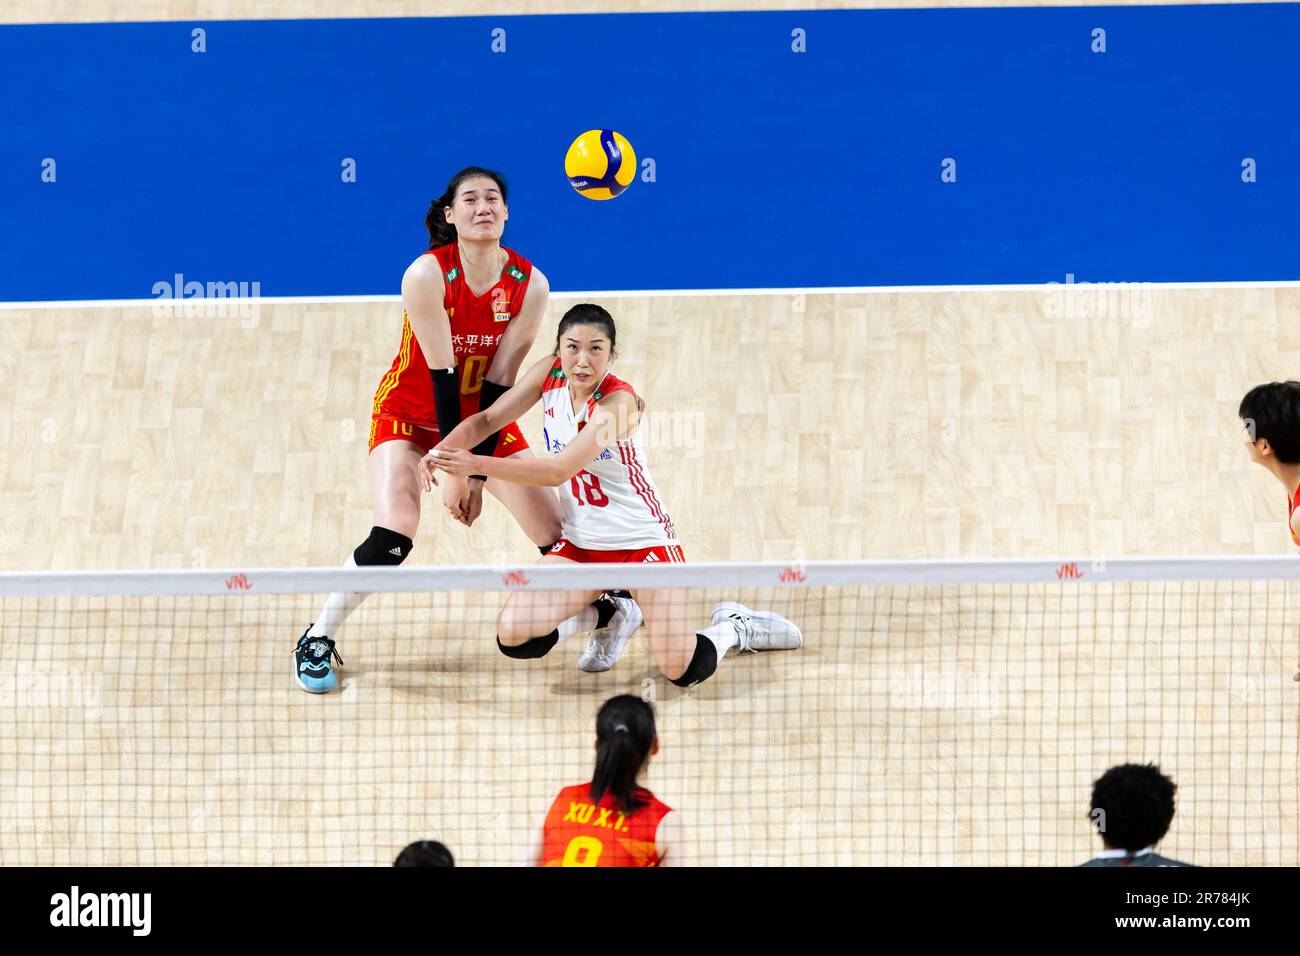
x=442 y=232
x=625 y=732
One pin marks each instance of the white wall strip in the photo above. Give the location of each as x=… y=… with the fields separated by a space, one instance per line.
x=1079 y=287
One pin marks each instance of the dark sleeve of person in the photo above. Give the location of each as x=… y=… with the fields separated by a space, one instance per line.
x=490 y=393
x=446 y=399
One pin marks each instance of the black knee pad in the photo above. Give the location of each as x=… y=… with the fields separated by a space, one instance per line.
x=382 y=547
x=703 y=663
x=532 y=648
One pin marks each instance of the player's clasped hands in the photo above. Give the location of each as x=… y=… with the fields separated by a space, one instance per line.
x=455 y=462
x=463 y=499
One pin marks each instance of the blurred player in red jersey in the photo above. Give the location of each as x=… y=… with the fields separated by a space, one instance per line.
x=612 y=513
x=1270 y=418
x=472 y=309
x=613 y=820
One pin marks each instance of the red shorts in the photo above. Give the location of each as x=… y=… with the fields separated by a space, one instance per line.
x=670 y=553
x=387 y=428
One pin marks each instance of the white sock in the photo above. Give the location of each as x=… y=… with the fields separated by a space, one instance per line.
x=725 y=635
x=337 y=607
x=580 y=623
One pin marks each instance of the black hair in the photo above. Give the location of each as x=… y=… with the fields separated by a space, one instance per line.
x=625 y=732
x=1132 y=806
x=1274 y=412
x=425 y=853
x=587 y=314
x=442 y=232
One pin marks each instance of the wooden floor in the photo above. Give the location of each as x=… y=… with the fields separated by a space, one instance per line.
x=881 y=425
x=917 y=726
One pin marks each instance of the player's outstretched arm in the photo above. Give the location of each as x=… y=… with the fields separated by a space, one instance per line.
x=422 y=300
x=614 y=418
x=515 y=344
x=518 y=399
x=422 y=290
x=521 y=333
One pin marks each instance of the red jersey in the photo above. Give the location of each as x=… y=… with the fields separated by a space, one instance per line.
x=1291 y=505
x=477 y=324
x=578 y=832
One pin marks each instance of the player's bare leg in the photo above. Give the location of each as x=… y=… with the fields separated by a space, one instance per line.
x=395 y=491
x=614 y=617
x=394 y=486
x=687 y=654
x=533 y=622
x=671 y=628
x=535 y=509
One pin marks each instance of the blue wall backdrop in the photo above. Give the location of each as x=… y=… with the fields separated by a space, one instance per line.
x=774 y=168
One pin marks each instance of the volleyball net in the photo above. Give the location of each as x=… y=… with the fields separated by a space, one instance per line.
x=938 y=713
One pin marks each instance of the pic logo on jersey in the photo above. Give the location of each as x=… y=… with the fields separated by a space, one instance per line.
x=600 y=164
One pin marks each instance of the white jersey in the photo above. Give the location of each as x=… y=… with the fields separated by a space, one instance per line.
x=612 y=504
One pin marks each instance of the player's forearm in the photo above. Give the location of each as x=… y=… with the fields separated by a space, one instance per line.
x=469 y=432
x=520 y=471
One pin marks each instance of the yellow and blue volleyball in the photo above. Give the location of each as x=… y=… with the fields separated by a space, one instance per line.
x=600 y=164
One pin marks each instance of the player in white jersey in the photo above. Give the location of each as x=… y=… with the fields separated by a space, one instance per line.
x=612 y=512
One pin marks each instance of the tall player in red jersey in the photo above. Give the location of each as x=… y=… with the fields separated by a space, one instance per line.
x=1270 y=418
x=612 y=513
x=613 y=820
x=472 y=310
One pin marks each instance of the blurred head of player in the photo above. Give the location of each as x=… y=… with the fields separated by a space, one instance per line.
x=625 y=742
x=1132 y=806
x=425 y=853
x=1270 y=418
x=472 y=209
x=584 y=344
